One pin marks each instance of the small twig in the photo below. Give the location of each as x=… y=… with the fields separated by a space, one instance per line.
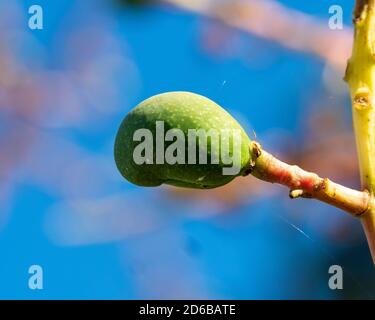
x=359 y=8
x=307 y=184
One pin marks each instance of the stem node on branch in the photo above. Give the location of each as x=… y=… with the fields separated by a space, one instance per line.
x=297 y=193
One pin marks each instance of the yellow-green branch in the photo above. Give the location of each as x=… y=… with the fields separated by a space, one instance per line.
x=360 y=75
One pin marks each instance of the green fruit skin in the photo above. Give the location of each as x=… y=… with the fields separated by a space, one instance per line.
x=182 y=110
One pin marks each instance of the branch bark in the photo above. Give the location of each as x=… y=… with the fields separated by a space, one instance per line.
x=360 y=75
x=307 y=184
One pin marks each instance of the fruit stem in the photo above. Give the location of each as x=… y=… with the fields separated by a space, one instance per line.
x=307 y=184
x=360 y=75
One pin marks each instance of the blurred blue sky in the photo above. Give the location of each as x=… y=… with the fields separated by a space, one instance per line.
x=249 y=252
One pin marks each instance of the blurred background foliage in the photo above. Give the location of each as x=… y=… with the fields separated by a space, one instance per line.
x=64 y=90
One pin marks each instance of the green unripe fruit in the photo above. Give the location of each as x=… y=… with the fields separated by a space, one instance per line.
x=180 y=115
